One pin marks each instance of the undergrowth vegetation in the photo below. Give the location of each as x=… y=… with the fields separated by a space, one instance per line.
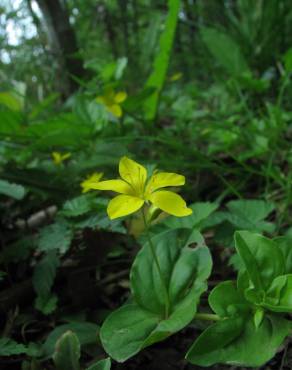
x=186 y=259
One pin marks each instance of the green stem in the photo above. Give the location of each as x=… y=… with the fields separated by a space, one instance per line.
x=207 y=317
x=152 y=248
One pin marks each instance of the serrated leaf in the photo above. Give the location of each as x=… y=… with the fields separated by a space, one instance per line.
x=45 y=273
x=12 y=190
x=9 y=347
x=77 y=206
x=56 y=236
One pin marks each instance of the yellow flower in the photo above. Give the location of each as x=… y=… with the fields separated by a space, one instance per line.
x=135 y=190
x=112 y=101
x=91 y=180
x=58 y=158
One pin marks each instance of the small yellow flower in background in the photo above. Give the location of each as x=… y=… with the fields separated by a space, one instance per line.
x=135 y=190
x=112 y=101
x=175 y=77
x=59 y=158
x=91 y=180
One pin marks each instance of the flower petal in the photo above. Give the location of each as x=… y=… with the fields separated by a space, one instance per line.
x=123 y=205
x=120 y=97
x=164 y=179
x=94 y=178
x=170 y=202
x=118 y=186
x=115 y=110
x=134 y=174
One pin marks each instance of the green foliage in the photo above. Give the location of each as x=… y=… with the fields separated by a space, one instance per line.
x=56 y=236
x=226 y=51
x=67 y=352
x=43 y=279
x=153 y=316
x=86 y=332
x=9 y=347
x=249 y=311
x=160 y=66
x=12 y=190
x=101 y=365
x=219 y=75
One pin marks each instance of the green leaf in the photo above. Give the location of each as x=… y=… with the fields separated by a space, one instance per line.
x=67 y=352
x=279 y=296
x=45 y=273
x=124 y=331
x=160 y=66
x=77 y=206
x=206 y=349
x=56 y=236
x=12 y=190
x=250 y=214
x=101 y=365
x=237 y=341
x=226 y=51
x=86 y=332
x=9 y=347
x=185 y=270
x=201 y=211
x=46 y=304
x=261 y=256
x=10 y=101
x=226 y=300
x=285 y=245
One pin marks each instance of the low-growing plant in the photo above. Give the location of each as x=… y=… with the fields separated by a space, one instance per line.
x=169 y=275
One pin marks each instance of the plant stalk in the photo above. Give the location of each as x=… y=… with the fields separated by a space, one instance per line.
x=206 y=317
x=156 y=261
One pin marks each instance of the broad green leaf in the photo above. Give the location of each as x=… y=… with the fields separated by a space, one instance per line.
x=157 y=78
x=226 y=300
x=45 y=273
x=185 y=270
x=225 y=51
x=207 y=347
x=124 y=332
x=261 y=256
x=8 y=347
x=86 y=332
x=67 y=352
x=173 y=256
x=101 y=365
x=238 y=342
x=12 y=190
x=56 y=236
